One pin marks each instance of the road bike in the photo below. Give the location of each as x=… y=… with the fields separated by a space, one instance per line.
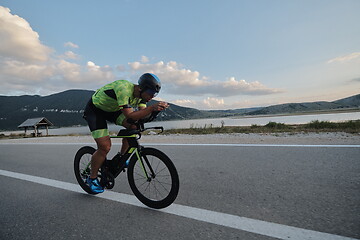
x=151 y=174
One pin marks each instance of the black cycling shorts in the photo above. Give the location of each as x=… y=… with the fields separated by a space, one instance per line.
x=96 y=119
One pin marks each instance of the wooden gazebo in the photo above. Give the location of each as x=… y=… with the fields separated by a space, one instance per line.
x=36 y=123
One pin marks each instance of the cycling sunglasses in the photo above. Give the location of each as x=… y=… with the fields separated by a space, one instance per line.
x=151 y=92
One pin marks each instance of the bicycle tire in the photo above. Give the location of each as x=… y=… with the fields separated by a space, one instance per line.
x=145 y=189
x=82 y=167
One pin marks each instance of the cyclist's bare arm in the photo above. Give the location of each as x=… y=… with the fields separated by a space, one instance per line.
x=143 y=112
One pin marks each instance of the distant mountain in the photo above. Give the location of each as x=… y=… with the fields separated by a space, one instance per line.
x=232 y=112
x=346 y=103
x=66 y=109
x=62 y=109
x=349 y=102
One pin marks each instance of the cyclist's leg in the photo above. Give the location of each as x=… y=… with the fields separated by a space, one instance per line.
x=98 y=158
x=121 y=120
x=97 y=123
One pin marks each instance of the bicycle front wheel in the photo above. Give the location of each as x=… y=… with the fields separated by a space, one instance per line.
x=153 y=179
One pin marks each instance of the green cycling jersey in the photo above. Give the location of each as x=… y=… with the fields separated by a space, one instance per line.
x=115 y=96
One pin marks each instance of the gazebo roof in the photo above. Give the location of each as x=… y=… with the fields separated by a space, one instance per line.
x=32 y=122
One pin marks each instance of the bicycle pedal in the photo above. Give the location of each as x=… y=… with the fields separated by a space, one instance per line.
x=110 y=185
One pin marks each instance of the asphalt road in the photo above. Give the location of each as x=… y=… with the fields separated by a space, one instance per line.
x=308 y=188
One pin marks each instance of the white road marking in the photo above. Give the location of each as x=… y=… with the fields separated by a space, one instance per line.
x=251 y=145
x=241 y=223
x=198 y=144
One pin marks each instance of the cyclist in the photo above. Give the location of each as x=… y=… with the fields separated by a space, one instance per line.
x=115 y=102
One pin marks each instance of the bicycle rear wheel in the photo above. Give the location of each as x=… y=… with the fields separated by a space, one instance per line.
x=82 y=167
x=154 y=180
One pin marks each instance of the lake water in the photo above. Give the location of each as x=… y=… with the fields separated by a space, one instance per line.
x=216 y=122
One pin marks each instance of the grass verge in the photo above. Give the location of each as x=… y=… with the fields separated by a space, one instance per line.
x=274 y=127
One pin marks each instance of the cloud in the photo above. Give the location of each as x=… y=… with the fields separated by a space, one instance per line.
x=70 y=45
x=345 y=58
x=27 y=66
x=21 y=72
x=213 y=103
x=170 y=72
x=74 y=74
x=182 y=81
x=144 y=59
x=18 y=40
x=70 y=55
x=233 y=87
x=207 y=103
x=185 y=102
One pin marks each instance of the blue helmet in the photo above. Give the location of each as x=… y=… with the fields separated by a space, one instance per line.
x=149 y=81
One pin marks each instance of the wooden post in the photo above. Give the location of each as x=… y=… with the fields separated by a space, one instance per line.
x=47 y=130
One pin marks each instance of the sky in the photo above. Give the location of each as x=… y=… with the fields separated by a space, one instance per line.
x=223 y=54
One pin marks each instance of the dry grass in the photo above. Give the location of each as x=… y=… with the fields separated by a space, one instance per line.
x=273 y=127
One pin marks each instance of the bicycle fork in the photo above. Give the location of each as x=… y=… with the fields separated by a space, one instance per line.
x=140 y=158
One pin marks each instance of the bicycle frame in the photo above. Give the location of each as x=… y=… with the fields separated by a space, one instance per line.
x=134 y=149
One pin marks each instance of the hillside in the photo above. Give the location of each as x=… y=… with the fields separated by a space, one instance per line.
x=346 y=103
x=66 y=109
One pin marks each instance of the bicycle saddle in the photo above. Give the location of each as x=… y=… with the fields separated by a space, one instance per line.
x=127 y=132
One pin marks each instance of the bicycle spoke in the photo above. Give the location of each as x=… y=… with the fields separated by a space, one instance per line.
x=157 y=191
x=162 y=176
x=166 y=183
x=138 y=179
x=85 y=167
x=147 y=187
x=163 y=185
x=165 y=168
x=138 y=174
x=157 y=166
x=143 y=184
